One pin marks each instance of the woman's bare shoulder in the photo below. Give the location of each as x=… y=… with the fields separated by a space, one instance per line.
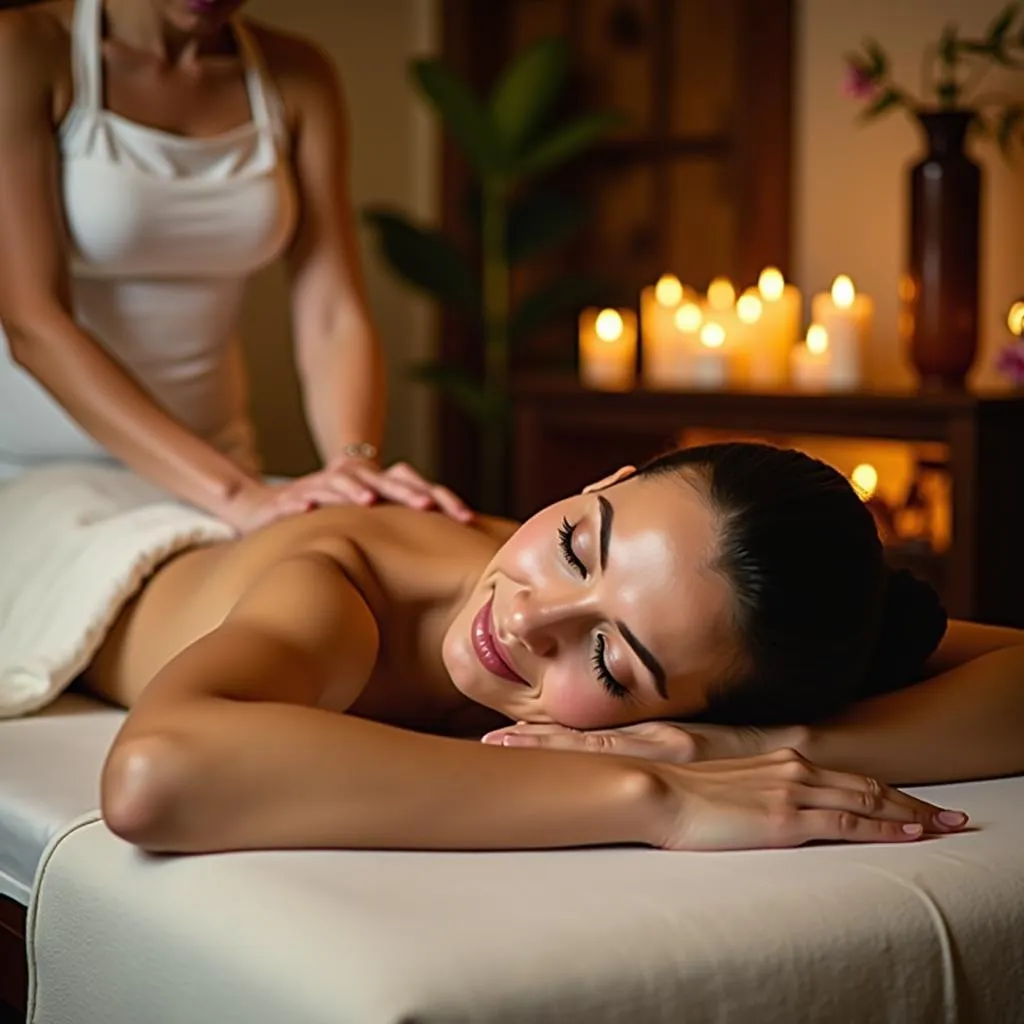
x=35 y=53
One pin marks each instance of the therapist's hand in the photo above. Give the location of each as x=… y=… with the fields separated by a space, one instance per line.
x=670 y=742
x=363 y=482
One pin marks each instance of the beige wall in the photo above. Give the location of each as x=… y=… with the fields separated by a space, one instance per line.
x=393 y=143
x=850 y=206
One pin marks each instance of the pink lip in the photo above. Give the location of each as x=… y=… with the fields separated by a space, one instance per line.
x=489 y=649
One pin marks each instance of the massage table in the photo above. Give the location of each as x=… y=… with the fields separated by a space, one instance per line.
x=928 y=933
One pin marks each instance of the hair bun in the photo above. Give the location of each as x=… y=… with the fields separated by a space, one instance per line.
x=912 y=624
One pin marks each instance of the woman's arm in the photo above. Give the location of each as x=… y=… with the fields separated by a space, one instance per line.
x=964 y=722
x=34 y=293
x=337 y=350
x=225 y=750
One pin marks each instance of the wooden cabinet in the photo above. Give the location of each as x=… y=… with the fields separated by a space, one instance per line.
x=566 y=437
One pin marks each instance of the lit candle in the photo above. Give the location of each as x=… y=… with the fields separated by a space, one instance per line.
x=810 y=363
x=660 y=340
x=668 y=364
x=778 y=328
x=709 y=367
x=847 y=316
x=1015 y=318
x=607 y=349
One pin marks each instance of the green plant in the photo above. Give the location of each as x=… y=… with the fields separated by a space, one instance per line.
x=509 y=139
x=952 y=69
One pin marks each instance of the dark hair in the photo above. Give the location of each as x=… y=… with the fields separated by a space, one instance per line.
x=820 y=618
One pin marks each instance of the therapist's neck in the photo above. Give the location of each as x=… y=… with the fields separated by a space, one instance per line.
x=146 y=25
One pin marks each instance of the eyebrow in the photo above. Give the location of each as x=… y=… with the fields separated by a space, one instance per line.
x=649 y=661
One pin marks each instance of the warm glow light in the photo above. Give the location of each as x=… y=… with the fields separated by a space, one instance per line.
x=906 y=288
x=712 y=335
x=1015 y=318
x=843 y=292
x=817 y=339
x=865 y=480
x=721 y=294
x=771 y=284
x=689 y=317
x=668 y=291
x=608 y=325
x=749 y=308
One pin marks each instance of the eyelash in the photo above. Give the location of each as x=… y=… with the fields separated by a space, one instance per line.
x=607 y=680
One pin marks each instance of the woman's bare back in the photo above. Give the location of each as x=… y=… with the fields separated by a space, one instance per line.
x=408 y=566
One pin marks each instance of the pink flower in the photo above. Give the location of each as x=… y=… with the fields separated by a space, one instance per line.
x=858 y=82
x=1011 y=362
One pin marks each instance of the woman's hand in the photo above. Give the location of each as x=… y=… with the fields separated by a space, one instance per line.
x=672 y=742
x=780 y=800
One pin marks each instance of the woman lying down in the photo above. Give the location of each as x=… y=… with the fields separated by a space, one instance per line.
x=326 y=681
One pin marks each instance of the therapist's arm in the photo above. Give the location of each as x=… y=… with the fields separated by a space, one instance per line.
x=35 y=306
x=966 y=721
x=337 y=350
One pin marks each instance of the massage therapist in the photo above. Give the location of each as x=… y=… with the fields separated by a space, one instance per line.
x=154 y=154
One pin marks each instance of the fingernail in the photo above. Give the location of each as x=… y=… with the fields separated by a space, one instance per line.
x=913 y=830
x=952 y=819
x=491 y=737
x=512 y=740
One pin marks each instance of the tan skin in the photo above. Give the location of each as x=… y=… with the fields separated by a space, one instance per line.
x=301 y=687
x=167 y=67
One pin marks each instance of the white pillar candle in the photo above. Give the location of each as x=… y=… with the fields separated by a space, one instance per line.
x=710 y=361
x=668 y=364
x=810 y=363
x=607 y=349
x=660 y=342
x=778 y=327
x=848 y=317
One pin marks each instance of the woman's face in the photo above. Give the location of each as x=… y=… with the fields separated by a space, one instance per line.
x=600 y=611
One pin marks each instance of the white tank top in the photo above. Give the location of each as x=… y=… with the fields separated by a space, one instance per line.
x=164 y=230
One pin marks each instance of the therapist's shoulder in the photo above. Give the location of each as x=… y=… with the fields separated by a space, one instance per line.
x=35 y=41
x=299 y=66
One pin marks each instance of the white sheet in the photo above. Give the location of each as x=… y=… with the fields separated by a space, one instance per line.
x=76 y=543
x=928 y=933
x=49 y=775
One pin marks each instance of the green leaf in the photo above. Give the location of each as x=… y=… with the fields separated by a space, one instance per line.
x=1009 y=120
x=523 y=95
x=948 y=45
x=426 y=259
x=878 y=62
x=456 y=384
x=1000 y=25
x=886 y=100
x=564 y=143
x=562 y=297
x=463 y=115
x=541 y=221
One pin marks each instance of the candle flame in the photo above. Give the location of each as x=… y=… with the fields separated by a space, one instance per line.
x=771 y=284
x=668 y=291
x=721 y=294
x=817 y=339
x=1015 y=318
x=689 y=317
x=865 y=480
x=608 y=325
x=749 y=308
x=712 y=335
x=843 y=292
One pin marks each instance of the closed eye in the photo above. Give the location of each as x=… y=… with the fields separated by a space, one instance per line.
x=565 y=535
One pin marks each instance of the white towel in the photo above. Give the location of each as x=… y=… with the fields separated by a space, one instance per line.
x=76 y=543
